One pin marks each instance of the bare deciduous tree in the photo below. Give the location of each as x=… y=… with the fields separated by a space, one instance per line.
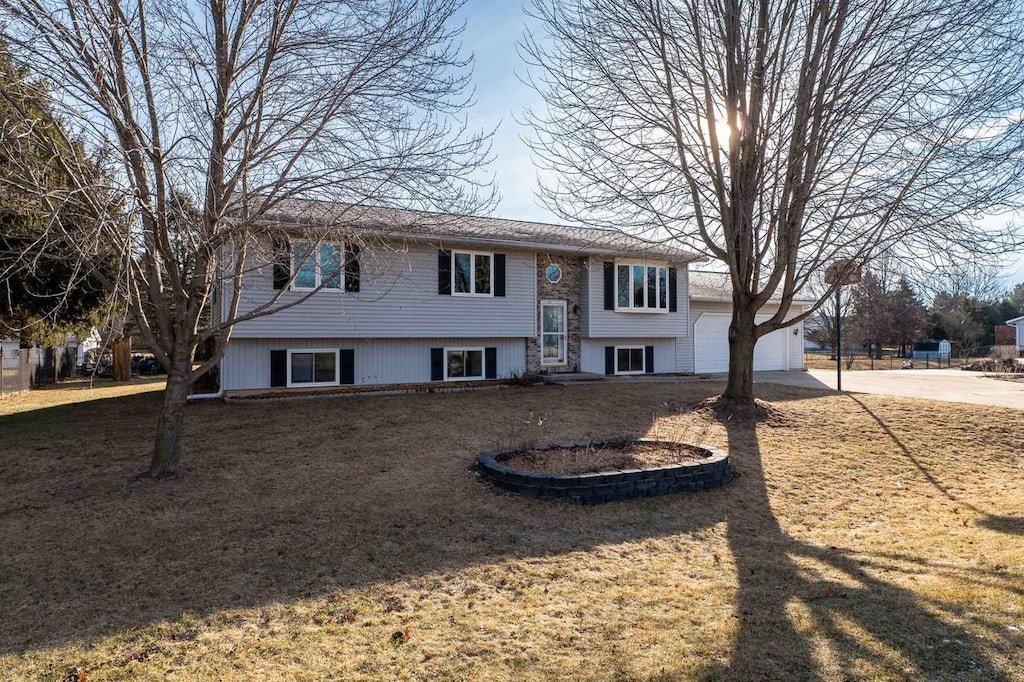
x=212 y=114
x=779 y=136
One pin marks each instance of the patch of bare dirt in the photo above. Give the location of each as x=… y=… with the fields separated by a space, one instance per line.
x=599 y=458
x=728 y=412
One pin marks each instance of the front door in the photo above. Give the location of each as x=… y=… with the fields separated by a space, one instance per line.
x=552 y=333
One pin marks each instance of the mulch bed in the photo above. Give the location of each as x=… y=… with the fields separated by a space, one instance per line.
x=597 y=458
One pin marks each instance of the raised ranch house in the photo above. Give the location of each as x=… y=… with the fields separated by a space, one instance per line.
x=402 y=297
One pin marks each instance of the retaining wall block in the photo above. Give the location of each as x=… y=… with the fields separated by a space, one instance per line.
x=597 y=487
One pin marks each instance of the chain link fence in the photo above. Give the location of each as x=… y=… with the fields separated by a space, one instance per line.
x=982 y=358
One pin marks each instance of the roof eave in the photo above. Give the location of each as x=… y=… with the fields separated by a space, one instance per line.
x=675 y=257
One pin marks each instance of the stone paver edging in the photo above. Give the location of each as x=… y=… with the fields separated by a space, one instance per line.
x=713 y=471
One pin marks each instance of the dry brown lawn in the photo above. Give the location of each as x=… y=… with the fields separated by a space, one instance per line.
x=346 y=539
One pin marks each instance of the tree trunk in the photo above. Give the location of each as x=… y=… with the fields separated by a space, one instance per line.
x=740 y=388
x=170 y=426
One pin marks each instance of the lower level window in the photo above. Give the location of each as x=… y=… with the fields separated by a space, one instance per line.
x=312 y=367
x=464 y=363
x=629 y=360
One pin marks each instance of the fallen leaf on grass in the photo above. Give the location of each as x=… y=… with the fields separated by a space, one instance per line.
x=345 y=616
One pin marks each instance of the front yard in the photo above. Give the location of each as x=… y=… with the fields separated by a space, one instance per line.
x=866 y=537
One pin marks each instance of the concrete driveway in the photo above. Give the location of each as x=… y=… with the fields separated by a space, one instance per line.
x=931 y=384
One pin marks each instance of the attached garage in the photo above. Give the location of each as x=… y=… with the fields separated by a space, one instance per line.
x=711 y=312
x=711 y=345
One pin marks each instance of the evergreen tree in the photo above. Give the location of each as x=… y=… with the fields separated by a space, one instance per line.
x=44 y=290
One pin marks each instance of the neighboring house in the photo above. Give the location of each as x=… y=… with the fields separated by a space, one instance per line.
x=1018 y=322
x=416 y=298
x=9 y=345
x=711 y=310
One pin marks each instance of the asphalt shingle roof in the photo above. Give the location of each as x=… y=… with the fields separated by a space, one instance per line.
x=392 y=223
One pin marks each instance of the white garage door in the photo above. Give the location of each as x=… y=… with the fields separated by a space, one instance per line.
x=711 y=346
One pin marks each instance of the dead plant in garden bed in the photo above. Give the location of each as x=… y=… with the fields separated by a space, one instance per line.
x=600 y=457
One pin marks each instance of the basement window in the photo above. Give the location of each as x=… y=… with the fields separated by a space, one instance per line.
x=313 y=368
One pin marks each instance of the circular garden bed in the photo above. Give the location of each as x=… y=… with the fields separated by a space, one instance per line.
x=606 y=470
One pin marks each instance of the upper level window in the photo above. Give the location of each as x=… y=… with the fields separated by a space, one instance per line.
x=471 y=273
x=316 y=266
x=641 y=287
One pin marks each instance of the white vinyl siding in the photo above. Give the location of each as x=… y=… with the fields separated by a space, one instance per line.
x=246 y=364
x=398 y=298
x=592 y=353
x=684 y=354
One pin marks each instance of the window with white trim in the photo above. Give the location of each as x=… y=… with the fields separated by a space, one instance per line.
x=553 y=328
x=641 y=288
x=316 y=267
x=463 y=364
x=629 y=360
x=471 y=273
x=313 y=368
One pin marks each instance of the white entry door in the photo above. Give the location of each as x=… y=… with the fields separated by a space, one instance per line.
x=552 y=333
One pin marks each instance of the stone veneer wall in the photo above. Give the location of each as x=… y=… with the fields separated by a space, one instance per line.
x=569 y=289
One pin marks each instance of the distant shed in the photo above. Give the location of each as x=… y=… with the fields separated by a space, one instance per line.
x=932 y=349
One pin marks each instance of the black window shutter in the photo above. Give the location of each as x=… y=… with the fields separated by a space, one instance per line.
x=609 y=285
x=348 y=365
x=490 y=362
x=352 y=268
x=609 y=359
x=499 y=274
x=649 y=359
x=444 y=272
x=437 y=364
x=278 y=368
x=672 y=305
x=282 y=263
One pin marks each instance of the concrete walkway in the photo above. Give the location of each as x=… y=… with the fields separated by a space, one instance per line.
x=931 y=384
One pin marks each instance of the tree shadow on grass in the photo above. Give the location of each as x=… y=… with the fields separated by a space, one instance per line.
x=283 y=501
x=1011 y=525
x=810 y=612
x=286 y=501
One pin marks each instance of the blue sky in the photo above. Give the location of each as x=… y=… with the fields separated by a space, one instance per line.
x=492 y=29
